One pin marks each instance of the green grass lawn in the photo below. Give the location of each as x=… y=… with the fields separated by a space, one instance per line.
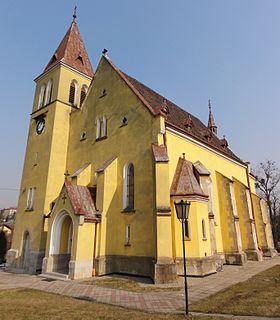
x=27 y=304
x=259 y=295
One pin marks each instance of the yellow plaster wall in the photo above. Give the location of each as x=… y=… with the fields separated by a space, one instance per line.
x=226 y=215
x=130 y=144
x=85 y=242
x=243 y=214
x=84 y=177
x=260 y=227
x=196 y=246
x=47 y=172
x=162 y=187
x=267 y=222
x=65 y=235
x=213 y=162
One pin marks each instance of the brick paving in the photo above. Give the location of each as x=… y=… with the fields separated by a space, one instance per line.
x=167 y=301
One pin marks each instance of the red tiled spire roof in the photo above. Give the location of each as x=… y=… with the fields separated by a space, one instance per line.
x=72 y=52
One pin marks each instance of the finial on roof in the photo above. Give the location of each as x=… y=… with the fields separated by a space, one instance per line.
x=224 y=142
x=66 y=174
x=211 y=122
x=209 y=104
x=184 y=155
x=104 y=51
x=75 y=13
x=188 y=123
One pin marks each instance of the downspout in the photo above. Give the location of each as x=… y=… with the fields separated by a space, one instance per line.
x=251 y=199
x=94 y=250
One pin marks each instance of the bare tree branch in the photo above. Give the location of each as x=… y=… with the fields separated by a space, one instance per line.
x=267 y=177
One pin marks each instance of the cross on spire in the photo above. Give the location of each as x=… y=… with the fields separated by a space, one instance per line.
x=75 y=13
x=209 y=104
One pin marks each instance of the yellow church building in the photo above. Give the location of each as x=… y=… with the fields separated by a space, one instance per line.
x=106 y=159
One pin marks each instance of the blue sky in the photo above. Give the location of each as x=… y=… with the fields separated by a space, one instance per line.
x=189 y=51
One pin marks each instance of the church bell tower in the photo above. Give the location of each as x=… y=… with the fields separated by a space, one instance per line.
x=60 y=90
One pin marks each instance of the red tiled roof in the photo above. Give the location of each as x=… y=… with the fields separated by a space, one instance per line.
x=184 y=182
x=72 y=52
x=175 y=116
x=160 y=153
x=83 y=200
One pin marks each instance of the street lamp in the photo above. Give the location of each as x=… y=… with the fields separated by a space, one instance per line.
x=182 y=210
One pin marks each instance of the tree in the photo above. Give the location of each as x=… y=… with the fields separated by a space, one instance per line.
x=267 y=176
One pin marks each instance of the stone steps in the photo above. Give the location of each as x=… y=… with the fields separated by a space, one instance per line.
x=55 y=276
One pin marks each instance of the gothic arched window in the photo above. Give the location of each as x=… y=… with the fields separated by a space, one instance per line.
x=73 y=93
x=84 y=91
x=49 y=92
x=42 y=96
x=128 y=195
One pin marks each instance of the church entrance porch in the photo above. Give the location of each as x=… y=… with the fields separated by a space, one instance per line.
x=60 y=243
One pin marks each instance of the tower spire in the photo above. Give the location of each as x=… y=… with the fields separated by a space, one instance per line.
x=211 y=122
x=71 y=51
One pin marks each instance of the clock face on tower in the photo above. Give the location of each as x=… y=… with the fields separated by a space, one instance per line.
x=40 y=126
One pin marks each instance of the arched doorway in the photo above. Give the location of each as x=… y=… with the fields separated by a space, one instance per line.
x=61 y=242
x=25 y=255
x=3 y=246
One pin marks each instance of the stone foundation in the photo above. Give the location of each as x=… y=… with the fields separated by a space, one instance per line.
x=200 y=266
x=134 y=265
x=80 y=269
x=56 y=263
x=269 y=252
x=236 y=258
x=15 y=263
x=165 y=271
x=254 y=255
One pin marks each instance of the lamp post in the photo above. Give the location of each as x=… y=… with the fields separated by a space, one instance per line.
x=182 y=210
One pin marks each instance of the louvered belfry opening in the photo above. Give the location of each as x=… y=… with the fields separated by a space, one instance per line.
x=83 y=95
x=72 y=93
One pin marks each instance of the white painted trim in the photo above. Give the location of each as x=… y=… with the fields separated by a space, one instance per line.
x=70 y=238
x=176 y=133
x=56 y=232
x=60 y=63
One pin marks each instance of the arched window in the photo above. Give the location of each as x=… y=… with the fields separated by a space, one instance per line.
x=104 y=127
x=42 y=96
x=128 y=195
x=203 y=230
x=49 y=92
x=73 y=93
x=84 y=91
x=98 y=128
x=30 y=198
x=101 y=127
x=186 y=230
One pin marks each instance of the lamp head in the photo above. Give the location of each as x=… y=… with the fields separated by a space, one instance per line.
x=182 y=209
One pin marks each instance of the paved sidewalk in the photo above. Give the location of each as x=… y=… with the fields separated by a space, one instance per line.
x=168 y=301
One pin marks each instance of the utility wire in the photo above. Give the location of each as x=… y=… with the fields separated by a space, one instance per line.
x=9 y=189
